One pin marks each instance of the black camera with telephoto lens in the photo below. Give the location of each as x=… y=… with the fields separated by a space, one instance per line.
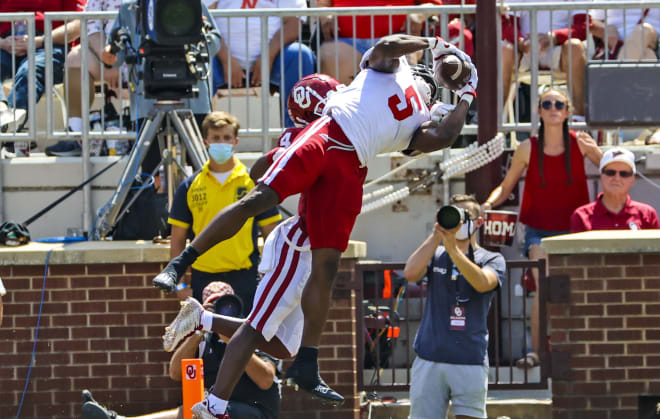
x=228 y=305
x=449 y=216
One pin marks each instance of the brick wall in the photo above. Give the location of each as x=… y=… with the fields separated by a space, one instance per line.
x=611 y=329
x=101 y=329
x=337 y=357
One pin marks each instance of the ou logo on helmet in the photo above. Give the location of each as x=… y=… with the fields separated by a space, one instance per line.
x=301 y=97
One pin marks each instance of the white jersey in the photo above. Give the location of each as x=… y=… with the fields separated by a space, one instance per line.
x=379 y=112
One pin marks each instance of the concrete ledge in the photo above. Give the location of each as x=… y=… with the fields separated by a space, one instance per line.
x=118 y=251
x=610 y=241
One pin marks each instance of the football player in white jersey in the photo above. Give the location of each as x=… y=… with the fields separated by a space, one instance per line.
x=327 y=163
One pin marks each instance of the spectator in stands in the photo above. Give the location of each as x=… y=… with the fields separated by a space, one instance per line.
x=97 y=35
x=613 y=209
x=141 y=106
x=13 y=109
x=257 y=394
x=452 y=339
x=555 y=183
x=561 y=48
x=632 y=34
x=240 y=48
x=3 y=292
x=222 y=181
x=337 y=55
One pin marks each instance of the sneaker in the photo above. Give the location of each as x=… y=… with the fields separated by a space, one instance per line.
x=64 y=149
x=305 y=375
x=184 y=324
x=201 y=411
x=10 y=119
x=93 y=410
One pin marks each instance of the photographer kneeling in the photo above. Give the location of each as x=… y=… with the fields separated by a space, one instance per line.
x=257 y=394
x=452 y=340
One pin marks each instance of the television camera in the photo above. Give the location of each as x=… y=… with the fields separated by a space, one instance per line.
x=171 y=58
x=172 y=55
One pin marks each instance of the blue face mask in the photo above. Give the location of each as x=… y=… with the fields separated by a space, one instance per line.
x=220 y=152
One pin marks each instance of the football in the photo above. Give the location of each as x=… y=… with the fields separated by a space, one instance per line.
x=453 y=72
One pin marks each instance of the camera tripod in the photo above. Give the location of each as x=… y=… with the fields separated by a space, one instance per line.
x=180 y=132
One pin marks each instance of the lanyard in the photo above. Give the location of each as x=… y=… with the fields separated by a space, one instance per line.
x=457 y=278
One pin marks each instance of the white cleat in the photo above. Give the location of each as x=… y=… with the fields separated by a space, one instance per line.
x=184 y=324
x=201 y=411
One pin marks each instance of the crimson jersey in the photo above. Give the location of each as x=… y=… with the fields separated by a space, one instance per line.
x=287 y=138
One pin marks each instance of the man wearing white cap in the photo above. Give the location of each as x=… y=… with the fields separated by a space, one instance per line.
x=613 y=209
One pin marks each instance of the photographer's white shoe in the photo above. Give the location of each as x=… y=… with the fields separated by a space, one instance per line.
x=201 y=411
x=184 y=324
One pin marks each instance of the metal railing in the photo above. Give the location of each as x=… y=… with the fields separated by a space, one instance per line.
x=387 y=327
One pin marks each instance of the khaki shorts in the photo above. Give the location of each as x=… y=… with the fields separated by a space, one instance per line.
x=434 y=384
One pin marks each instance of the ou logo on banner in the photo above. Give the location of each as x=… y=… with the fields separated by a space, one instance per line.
x=499 y=228
x=191 y=372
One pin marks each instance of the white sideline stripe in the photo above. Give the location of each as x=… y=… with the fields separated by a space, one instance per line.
x=278 y=282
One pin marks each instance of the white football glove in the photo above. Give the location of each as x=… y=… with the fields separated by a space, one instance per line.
x=440 y=47
x=469 y=91
x=439 y=110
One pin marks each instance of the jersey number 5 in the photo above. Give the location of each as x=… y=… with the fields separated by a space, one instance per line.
x=394 y=101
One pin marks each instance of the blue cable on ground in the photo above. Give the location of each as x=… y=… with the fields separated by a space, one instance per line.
x=36 y=335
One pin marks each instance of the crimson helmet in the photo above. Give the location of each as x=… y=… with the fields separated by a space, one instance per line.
x=309 y=96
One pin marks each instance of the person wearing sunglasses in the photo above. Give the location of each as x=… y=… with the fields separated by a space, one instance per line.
x=613 y=209
x=555 y=184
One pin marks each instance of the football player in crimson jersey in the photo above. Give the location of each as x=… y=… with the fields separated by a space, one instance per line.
x=382 y=110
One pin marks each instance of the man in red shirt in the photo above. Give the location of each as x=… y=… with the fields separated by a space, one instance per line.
x=613 y=209
x=16 y=44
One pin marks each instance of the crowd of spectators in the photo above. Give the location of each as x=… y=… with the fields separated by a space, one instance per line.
x=561 y=35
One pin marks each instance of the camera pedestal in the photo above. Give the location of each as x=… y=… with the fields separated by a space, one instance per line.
x=179 y=130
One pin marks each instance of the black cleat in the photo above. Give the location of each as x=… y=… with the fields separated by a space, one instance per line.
x=170 y=276
x=305 y=375
x=87 y=396
x=166 y=280
x=93 y=410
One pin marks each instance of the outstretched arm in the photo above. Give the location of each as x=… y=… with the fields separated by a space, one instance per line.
x=432 y=135
x=386 y=53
